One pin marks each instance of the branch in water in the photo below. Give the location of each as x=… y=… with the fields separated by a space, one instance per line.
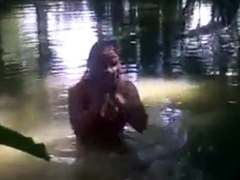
x=14 y=139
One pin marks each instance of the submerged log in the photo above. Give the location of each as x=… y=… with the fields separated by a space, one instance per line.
x=14 y=139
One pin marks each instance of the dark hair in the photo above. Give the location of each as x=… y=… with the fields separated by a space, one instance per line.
x=99 y=54
x=98 y=48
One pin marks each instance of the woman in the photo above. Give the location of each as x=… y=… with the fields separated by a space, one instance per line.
x=102 y=102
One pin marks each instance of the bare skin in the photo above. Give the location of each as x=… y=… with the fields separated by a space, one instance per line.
x=86 y=103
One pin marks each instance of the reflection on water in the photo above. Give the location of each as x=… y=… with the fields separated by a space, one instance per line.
x=201 y=15
x=44 y=47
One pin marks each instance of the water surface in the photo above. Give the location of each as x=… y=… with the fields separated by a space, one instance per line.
x=44 y=47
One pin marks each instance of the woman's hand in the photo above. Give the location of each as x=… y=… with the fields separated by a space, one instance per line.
x=120 y=99
x=112 y=105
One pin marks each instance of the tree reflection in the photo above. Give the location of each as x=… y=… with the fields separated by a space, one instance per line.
x=2 y=68
x=43 y=38
x=149 y=37
x=10 y=75
x=99 y=9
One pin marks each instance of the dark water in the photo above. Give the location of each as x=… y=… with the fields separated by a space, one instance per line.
x=44 y=47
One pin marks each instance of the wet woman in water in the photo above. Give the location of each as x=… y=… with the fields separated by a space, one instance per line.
x=102 y=102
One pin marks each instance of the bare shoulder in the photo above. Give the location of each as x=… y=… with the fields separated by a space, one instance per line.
x=128 y=89
x=126 y=84
x=79 y=87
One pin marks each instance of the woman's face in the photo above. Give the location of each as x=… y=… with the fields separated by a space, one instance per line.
x=110 y=60
x=106 y=63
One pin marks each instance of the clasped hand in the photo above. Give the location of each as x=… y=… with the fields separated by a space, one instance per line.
x=107 y=103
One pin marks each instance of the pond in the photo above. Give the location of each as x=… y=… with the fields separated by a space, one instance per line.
x=43 y=51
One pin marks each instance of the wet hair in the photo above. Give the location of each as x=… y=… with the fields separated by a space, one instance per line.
x=104 y=54
x=98 y=48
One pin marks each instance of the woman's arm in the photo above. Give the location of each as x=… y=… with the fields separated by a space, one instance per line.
x=133 y=106
x=78 y=114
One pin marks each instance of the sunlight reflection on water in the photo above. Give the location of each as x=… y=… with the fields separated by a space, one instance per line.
x=201 y=15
